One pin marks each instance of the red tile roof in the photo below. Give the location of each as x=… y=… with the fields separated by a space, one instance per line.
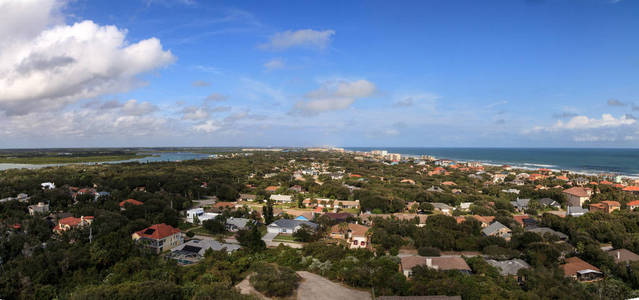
x=158 y=231
x=631 y=189
x=130 y=201
x=633 y=203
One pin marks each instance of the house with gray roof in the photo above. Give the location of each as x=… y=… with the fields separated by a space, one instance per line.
x=194 y=250
x=435 y=189
x=497 y=229
x=235 y=224
x=508 y=267
x=442 y=207
x=289 y=226
x=520 y=204
x=547 y=202
x=576 y=211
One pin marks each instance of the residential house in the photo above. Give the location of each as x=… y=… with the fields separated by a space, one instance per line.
x=198 y=214
x=438 y=263
x=39 y=208
x=247 y=197
x=449 y=183
x=605 y=206
x=282 y=198
x=633 y=204
x=435 y=189
x=69 y=223
x=159 y=237
x=126 y=202
x=547 y=202
x=578 y=269
x=499 y=178
x=576 y=211
x=288 y=226
x=509 y=267
x=582 y=181
x=484 y=220
x=193 y=251
x=355 y=235
x=524 y=219
x=520 y=204
x=623 y=256
x=631 y=189
x=511 y=191
x=236 y=224
x=47 y=185
x=443 y=208
x=497 y=229
x=347 y=204
x=576 y=196
x=465 y=205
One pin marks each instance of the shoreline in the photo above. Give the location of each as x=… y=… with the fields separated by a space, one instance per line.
x=529 y=166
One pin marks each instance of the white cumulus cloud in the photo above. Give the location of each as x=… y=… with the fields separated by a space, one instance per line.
x=584 y=122
x=335 y=96
x=46 y=64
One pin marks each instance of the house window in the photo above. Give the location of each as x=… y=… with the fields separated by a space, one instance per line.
x=355 y=242
x=363 y=244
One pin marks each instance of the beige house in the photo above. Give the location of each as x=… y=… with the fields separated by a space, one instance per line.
x=576 y=196
x=354 y=234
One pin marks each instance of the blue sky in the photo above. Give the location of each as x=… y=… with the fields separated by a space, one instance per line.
x=345 y=73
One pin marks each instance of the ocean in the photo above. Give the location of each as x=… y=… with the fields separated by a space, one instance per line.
x=591 y=160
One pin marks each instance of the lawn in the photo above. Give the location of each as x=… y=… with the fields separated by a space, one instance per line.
x=284 y=238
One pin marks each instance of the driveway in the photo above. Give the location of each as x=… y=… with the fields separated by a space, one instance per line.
x=269 y=236
x=315 y=287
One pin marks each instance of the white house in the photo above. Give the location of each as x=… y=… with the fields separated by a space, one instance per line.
x=282 y=198
x=199 y=213
x=288 y=226
x=47 y=185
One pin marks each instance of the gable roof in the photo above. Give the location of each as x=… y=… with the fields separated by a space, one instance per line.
x=158 y=231
x=508 y=267
x=494 y=227
x=623 y=255
x=355 y=229
x=576 y=264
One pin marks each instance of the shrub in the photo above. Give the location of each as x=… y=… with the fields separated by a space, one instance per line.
x=274 y=281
